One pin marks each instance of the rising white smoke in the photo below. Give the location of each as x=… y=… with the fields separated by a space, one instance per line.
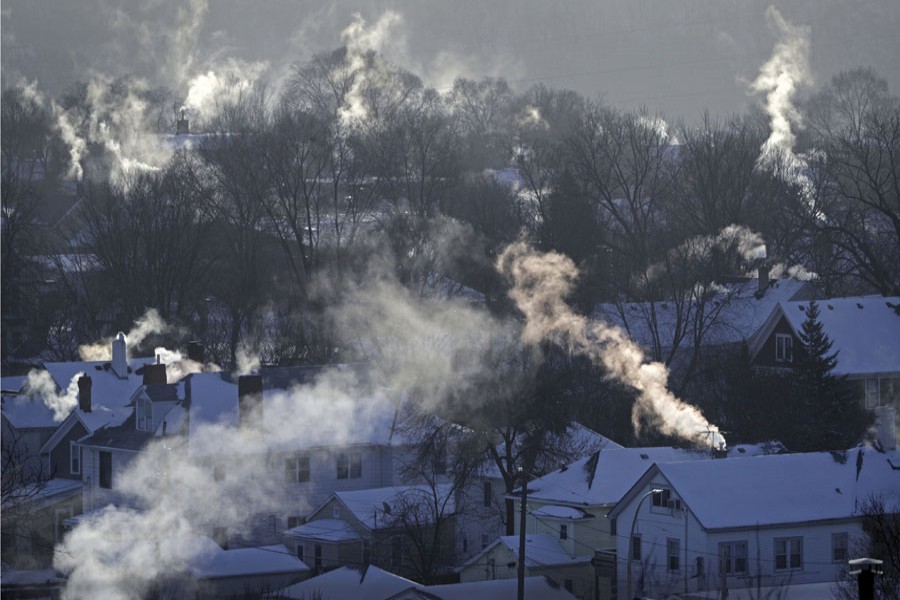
x=40 y=386
x=786 y=71
x=541 y=282
x=150 y=323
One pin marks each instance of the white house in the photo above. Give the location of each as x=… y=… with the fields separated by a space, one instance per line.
x=768 y=521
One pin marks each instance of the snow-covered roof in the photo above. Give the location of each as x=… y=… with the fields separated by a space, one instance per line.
x=541 y=550
x=329 y=530
x=50 y=490
x=535 y=587
x=107 y=389
x=25 y=412
x=864 y=330
x=372 y=583
x=350 y=583
x=782 y=489
x=734 y=314
x=12 y=383
x=379 y=507
x=245 y=561
x=604 y=477
x=554 y=511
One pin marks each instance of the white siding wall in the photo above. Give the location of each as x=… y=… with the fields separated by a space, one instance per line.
x=94 y=496
x=656 y=527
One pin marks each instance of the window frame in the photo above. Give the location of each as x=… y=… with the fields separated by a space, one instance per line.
x=784 y=348
x=296 y=468
x=488 y=494
x=730 y=553
x=563 y=531
x=840 y=541
x=74 y=458
x=788 y=555
x=349 y=465
x=636 y=547
x=673 y=555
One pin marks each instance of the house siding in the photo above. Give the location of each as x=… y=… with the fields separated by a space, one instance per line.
x=766 y=355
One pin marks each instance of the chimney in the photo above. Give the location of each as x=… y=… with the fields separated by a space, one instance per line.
x=84 y=393
x=885 y=423
x=763 y=280
x=250 y=402
x=155 y=374
x=182 y=125
x=196 y=351
x=119 y=362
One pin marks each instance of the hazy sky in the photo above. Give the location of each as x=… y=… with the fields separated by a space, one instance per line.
x=675 y=56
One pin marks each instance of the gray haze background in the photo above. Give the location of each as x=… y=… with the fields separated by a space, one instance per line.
x=674 y=56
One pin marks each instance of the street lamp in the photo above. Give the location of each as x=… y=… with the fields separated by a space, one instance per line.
x=631 y=536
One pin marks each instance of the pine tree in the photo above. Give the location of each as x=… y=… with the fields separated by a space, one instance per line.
x=835 y=419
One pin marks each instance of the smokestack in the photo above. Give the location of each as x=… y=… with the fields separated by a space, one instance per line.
x=155 y=374
x=885 y=423
x=182 y=125
x=763 y=281
x=196 y=351
x=84 y=393
x=250 y=402
x=119 y=362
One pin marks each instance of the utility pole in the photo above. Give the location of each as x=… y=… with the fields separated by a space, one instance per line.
x=521 y=570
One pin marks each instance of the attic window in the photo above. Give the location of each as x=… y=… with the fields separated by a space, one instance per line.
x=784 y=351
x=144 y=414
x=661 y=499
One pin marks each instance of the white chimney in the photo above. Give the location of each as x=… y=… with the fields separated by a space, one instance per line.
x=119 y=363
x=885 y=423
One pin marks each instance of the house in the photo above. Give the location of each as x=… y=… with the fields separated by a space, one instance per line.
x=864 y=331
x=697 y=335
x=768 y=521
x=543 y=556
x=570 y=505
x=391 y=527
x=371 y=583
x=41 y=434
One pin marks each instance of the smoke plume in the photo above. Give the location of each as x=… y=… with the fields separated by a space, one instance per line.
x=40 y=385
x=779 y=78
x=150 y=323
x=541 y=282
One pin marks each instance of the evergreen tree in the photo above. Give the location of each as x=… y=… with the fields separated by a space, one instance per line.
x=835 y=419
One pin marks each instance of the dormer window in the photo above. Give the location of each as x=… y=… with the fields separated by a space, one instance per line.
x=144 y=414
x=784 y=348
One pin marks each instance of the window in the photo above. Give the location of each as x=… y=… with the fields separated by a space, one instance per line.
x=465 y=544
x=636 y=548
x=734 y=557
x=563 y=532
x=673 y=554
x=699 y=570
x=335 y=512
x=144 y=414
x=296 y=469
x=300 y=551
x=784 y=349
x=488 y=494
x=484 y=540
x=105 y=470
x=273 y=524
x=317 y=557
x=74 y=458
x=788 y=553
x=872 y=399
x=349 y=465
x=661 y=499
x=839 y=547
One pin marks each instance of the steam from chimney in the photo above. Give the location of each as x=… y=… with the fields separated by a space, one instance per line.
x=40 y=385
x=150 y=323
x=780 y=78
x=541 y=281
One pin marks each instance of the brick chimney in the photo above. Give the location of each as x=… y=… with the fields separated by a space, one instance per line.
x=84 y=393
x=155 y=374
x=250 y=402
x=119 y=358
x=196 y=351
x=763 y=280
